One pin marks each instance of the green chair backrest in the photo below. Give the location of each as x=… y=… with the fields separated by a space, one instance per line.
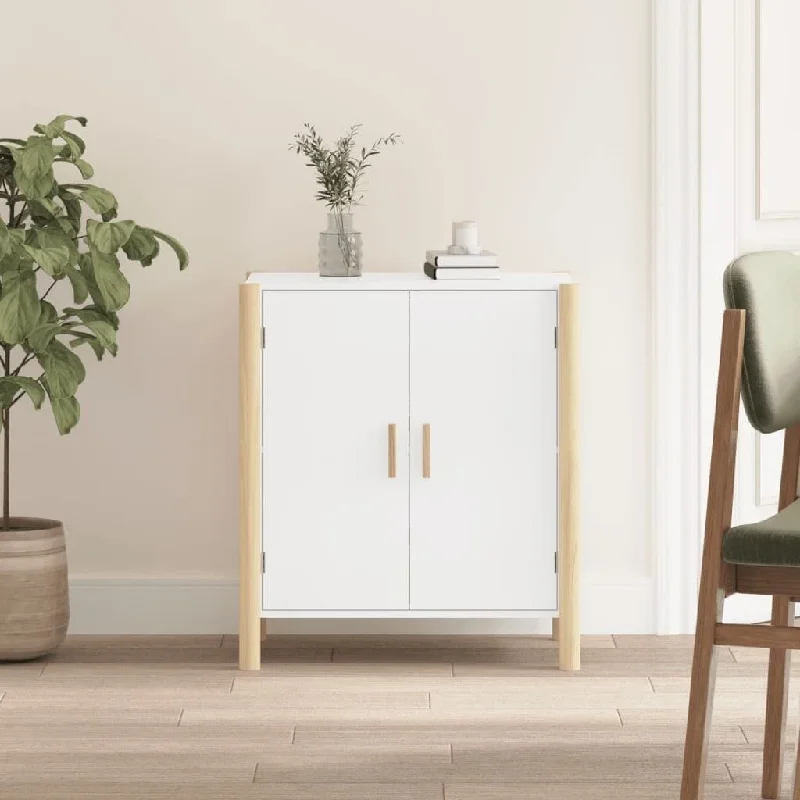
x=767 y=286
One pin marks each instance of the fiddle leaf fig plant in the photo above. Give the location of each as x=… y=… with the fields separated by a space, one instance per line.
x=59 y=229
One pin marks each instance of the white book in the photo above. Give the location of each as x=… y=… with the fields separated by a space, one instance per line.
x=465 y=274
x=441 y=258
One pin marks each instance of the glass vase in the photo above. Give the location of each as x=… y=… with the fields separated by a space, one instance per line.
x=340 y=247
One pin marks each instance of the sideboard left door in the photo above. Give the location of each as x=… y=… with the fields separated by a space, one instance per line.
x=336 y=377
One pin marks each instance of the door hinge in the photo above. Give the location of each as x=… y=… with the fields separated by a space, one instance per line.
x=263 y=338
x=555 y=564
x=263 y=563
x=555 y=337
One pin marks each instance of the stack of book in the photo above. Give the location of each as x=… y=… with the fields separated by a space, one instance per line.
x=441 y=265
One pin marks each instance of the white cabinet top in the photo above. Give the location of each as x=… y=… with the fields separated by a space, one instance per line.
x=405 y=281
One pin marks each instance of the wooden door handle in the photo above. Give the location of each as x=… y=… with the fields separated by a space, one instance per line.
x=392 y=450
x=426 y=450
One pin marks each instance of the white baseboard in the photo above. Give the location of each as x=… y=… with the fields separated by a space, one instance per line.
x=618 y=607
x=104 y=604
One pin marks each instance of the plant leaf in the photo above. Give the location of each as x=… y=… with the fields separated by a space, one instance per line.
x=48 y=312
x=19 y=306
x=180 y=250
x=51 y=249
x=35 y=159
x=146 y=262
x=55 y=127
x=108 y=237
x=16 y=258
x=39 y=339
x=62 y=368
x=86 y=169
x=43 y=211
x=30 y=386
x=82 y=337
x=110 y=317
x=141 y=245
x=75 y=146
x=107 y=285
x=5 y=239
x=80 y=287
x=36 y=187
x=67 y=413
x=101 y=201
x=73 y=206
x=100 y=327
x=7 y=395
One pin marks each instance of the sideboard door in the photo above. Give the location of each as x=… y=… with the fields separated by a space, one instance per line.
x=335 y=380
x=483 y=381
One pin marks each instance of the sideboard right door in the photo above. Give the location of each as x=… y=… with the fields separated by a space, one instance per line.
x=484 y=496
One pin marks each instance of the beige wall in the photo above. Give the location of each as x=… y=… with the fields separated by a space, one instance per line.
x=531 y=116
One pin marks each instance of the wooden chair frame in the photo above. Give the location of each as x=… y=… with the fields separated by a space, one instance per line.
x=719 y=580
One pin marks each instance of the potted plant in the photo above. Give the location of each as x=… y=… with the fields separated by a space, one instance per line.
x=341 y=170
x=53 y=230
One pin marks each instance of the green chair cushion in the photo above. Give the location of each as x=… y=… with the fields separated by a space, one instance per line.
x=773 y=542
x=767 y=286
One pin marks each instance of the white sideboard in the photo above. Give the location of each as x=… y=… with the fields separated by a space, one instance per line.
x=408 y=449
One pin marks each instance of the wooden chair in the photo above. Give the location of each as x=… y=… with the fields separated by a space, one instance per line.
x=759 y=362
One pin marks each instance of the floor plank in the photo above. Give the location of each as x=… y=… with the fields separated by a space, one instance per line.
x=427 y=763
x=633 y=762
x=129 y=768
x=625 y=641
x=121 y=738
x=549 y=729
x=219 y=790
x=587 y=791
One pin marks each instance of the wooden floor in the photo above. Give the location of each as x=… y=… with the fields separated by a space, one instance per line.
x=459 y=718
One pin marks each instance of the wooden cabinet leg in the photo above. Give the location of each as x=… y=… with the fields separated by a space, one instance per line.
x=569 y=642
x=263 y=630
x=554 y=629
x=249 y=476
x=569 y=639
x=249 y=647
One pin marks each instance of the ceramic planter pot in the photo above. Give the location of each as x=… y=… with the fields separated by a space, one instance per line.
x=34 y=595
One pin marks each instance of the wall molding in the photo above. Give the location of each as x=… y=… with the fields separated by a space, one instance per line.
x=145 y=605
x=761 y=215
x=675 y=490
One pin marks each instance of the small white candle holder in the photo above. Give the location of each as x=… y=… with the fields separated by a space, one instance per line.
x=465 y=236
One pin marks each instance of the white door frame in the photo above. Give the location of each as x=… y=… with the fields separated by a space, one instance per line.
x=676 y=450
x=696 y=219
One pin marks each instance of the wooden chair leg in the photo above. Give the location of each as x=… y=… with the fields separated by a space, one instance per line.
x=777 y=702
x=712 y=578
x=701 y=700
x=782 y=614
x=796 y=786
